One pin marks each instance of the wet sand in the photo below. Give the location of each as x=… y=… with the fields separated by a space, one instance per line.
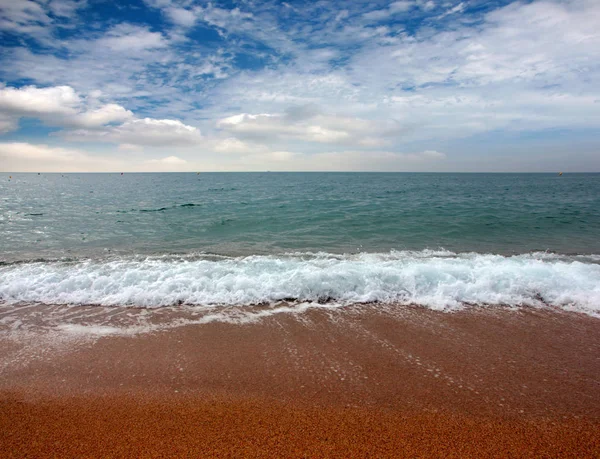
x=365 y=381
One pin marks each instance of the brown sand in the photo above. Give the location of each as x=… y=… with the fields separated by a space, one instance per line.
x=359 y=382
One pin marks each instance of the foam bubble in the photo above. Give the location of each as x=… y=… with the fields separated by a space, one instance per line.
x=439 y=280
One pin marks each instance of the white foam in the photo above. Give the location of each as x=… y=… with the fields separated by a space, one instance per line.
x=436 y=279
x=95 y=330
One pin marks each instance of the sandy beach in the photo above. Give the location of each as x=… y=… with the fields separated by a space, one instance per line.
x=363 y=381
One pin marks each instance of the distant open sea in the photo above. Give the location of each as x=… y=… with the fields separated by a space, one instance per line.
x=212 y=239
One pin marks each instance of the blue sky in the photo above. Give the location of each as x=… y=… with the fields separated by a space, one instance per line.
x=410 y=85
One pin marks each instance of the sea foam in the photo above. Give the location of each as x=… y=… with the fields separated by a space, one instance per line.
x=439 y=280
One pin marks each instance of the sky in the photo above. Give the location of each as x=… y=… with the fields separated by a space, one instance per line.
x=409 y=85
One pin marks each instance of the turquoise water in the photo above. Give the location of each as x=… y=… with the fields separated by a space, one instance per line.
x=240 y=239
x=54 y=215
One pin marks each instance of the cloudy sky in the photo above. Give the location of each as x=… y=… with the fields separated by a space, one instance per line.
x=409 y=85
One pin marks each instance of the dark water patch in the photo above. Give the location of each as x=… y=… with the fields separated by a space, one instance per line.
x=213 y=190
x=161 y=209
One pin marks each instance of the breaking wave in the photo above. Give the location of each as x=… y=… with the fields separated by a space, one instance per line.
x=439 y=280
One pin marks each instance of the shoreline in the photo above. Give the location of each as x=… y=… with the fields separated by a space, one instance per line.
x=363 y=380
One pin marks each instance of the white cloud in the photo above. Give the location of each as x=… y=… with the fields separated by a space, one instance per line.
x=148 y=131
x=181 y=16
x=385 y=161
x=308 y=125
x=7 y=124
x=401 y=6
x=145 y=131
x=516 y=44
x=341 y=15
x=242 y=118
x=66 y=8
x=57 y=106
x=392 y=9
x=169 y=163
x=426 y=5
x=229 y=20
x=128 y=147
x=33 y=101
x=231 y=145
x=131 y=39
x=431 y=154
x=24 y=16
x=25 y=157
x=62 y=106
x=37 y=19
x=265 y=126
x=455 y=9
x=376 y=15
x=281 y=155
x=109 y=113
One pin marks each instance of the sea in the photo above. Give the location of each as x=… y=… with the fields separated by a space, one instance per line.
x=288 y=241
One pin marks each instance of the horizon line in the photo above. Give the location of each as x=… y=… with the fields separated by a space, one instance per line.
x=303 y=172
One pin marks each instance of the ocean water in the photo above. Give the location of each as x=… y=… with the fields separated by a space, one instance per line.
x=244 y=239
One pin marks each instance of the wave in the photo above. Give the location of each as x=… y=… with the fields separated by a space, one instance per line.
x=439 y=280
x=158 y=209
